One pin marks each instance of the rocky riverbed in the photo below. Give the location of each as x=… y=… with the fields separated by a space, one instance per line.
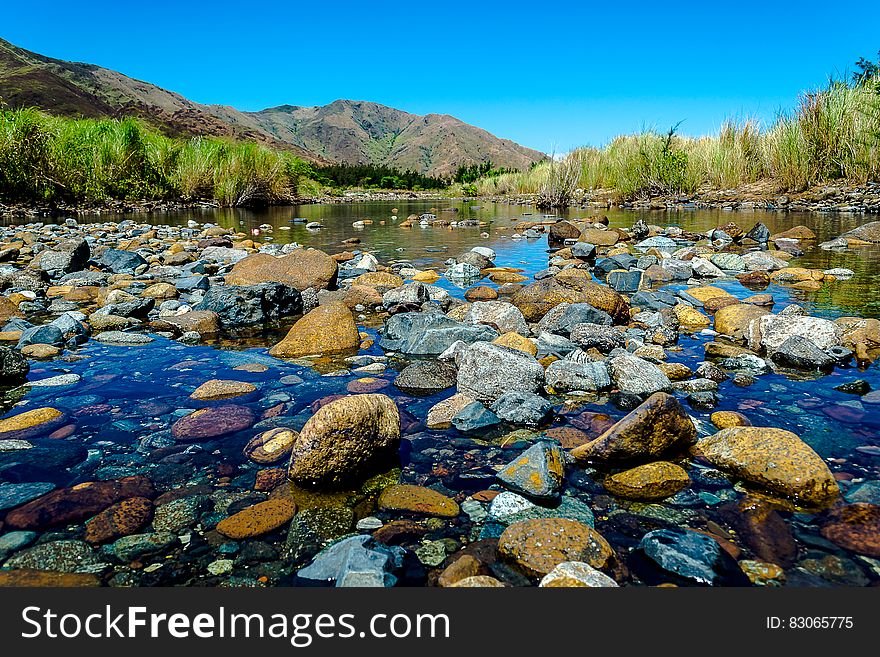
x=193 y=405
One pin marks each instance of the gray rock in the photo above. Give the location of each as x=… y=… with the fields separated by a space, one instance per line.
x=414 y=293
x=426 y=377
x=692 y=556
x=487 y=371
x=636 y=376
x=583 y=250
x=120 y=262
x=13 y=495
x=523 y=408
x=537 y=473
x=681 y=270
x=357 y=561
x=65 y=556
x=552 y=344
x=463 y=273
x=66 y=257
x=136 y=546
x=121 y=338
x=474 y=417
x=567 y=376
x=500 y=315
x=625 y=282
x=46 y=334
x=13 y=366
x=659 y=242
x=242 y=305
x=12 y=542
x=429 y=334
x=801 y=353
x=603 y=338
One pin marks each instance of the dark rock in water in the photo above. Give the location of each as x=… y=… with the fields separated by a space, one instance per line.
x=426 y=377
x=759 y=233
x=567 y=375
x=474 y=417
x=121 y=519
x=523 y=408
x=69 y=505
x=47 y=460
x=137 y=546
x=140 y=307
x=562 y=230
x=762 y=530
x=868 y=491
x=414 y=293
x=703 y=400
x=692 y=556
x=640 y=229
x=624 y=281
x=564 y=317
x=213 y=422
x=358 y=561
x=66 y=257
x=653 y=300
x=854 y=527
x=13 y=366
x=583 y=250
x=659 y=425
x=539 y=472
x=65 y=556
x=622 y=261
x=120 y=262
x=603 y=338
x=311 y=529
x=241 y=305
x=46 y=334
x=486 y=371
x=192 y=283
x=430 y=334
x=13 y=495
x=802 y=353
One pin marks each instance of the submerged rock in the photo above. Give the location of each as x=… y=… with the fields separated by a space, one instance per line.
x=426 y=377
x=692 y=556
x=523 y=408
x=357 y=561
x=649 y=482
x=213 y=422
x=417 y=499
x=576 y=574
x=538 y=472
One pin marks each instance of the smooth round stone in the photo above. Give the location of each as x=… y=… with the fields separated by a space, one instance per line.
x=649 y=482
x=576 y=574
x=40 y=351
x=217 y=389
x=30 y=423
x=12 y=542
x=271 y=446
x=13 y=495
x=121 y=519
x=855 y=527
x=123 y=339
x=213 y=422
x=417 y=499
x=55 y=381
x=258 y=519
x=726 y=419
x=477 y=581
x=256 y=368
x=537 y=546
x=367 y=385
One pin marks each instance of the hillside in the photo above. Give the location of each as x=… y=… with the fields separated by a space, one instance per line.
x=354 y=132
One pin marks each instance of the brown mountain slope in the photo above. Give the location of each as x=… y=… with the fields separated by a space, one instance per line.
x=343 y=131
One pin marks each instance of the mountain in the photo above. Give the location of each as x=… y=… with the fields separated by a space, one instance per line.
x=355 y=132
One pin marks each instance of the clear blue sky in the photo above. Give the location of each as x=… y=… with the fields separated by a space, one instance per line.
x=550 y=75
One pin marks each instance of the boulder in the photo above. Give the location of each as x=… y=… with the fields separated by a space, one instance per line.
x=259 y=519
x=563 y=318
x=801 y=353
x=344 y=440
x=657 y=426
x=302 y=268
x=649 y=482
x=68 y=256
x=487 y=371
x=538 y=473
x=504 y=317
x=566 y=376
x=120 y=262
x=536 y=547
x=637 y=376
x=772 y=459
x=576 y=574
x=734 y=320
x=770 y=331
x=417 y=499
x=426 y=377
x=603 y=338
x=692 y=556
x=238 y=305
x=537 y=299
x=13 y=366
x=213 y=422
x=327 y=329
x=522 y=408
x=429 y=334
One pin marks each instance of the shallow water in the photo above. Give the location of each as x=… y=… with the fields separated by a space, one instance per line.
x=128 y=397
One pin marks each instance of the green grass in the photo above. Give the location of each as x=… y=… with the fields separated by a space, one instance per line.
x=45 y=158
x=832 y=135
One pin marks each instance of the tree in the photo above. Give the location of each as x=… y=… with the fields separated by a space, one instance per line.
x=867 y=70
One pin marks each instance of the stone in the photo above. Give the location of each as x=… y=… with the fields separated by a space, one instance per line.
x=238 y=305
x=536 y=547
x=412 y=294
x=178 y=515
x=123 y=339
x=690 y=316
x=120 y=262
x=570 y=574
x=477 y=581
x=379 y=279
x=216 y=389
x=538 y=472
x=624 y=281
x=464 y=566
x=426 y=377
x=563 y=318
x=603 y=338
x=600 y=237
x=441 y=414
x=429 y=334
x=31 y=423
x=302 y=268
x=504 y=317
x=761 y=573
x=213 y=422
x=567 y=376
x=522 y=408
x=692 y=556
x=13 y=365
x=272 y=446
x=734 y=320
x=772 y=459
x=537 y=299
x=13 y=495
x=801 y=353
x=636 y=376
x=65 y=556
x=259 y=519
x=869 y=232
x=516 y=341
x=770 y=331
x=12 y=542
x=727 y=419
x=344 y=439
x=327 y=329
x=203 y=322
x=649 y=482
x=39 y=352
x=121 y=519
x=854 y=527
x=475 y=417
x=658 y=425
x=357 y=561
x=417 y=499
x=138 y=546
x=66 y=257
x=486 y=371
x=481 y=293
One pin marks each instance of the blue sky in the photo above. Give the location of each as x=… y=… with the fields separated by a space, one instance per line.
x=550 y=75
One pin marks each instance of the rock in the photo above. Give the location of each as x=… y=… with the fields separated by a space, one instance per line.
x=46 y=334
x=692 y=556
x=31 y=423
x=120 y=262
x=636 y=376
x=516 y=341
x=576 y=574
x=522 y=408
x=70 y=505
x=603 y=338
x=565 y=316
x=562 y=230
x=441 y=414
x=357 y=561
x=13 y=495
x=429 y=334
x=477 y=581
x=727 y=419
x=66 y=257
x=213 y=422
x=13 y=366
x=411 y=294
x=854 y=527
x=379 y=279
x=538 y=472
x=502 y=316
x=537 y=299
x=657 y=426
x=139 y=546
x=426 y=377
x=417 y=499
x=487 y=371
x=203 y=322
x=29 y=577
x=327 y=329
x=649 y=482
x=803 y=354
x=474 y=417
x=216 y=389
x=272 y=446
x=567 y=376
x=40 y=351
x=301 y=269
x=624 y=281
x=66 y=556
x=690 y=316
x=463 y=567
x=123 y=339
x=770 y=331
x=537 y=546
x=237 y=305
x=481 y=293
x=761 y=573
x=12 y=542
x=344 y=439
x=734 y=320
x=259 y=519
x=121 y=519
x=772 y=459
x=869 y=232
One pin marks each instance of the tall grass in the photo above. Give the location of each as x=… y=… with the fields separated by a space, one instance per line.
x=832 y=134
x=55 y=159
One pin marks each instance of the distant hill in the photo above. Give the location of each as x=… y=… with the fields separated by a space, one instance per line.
x=355 y=132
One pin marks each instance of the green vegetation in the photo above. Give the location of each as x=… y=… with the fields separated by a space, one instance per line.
x=52 y=159
x=833 y=134
x=471 y=173
x=373 y=176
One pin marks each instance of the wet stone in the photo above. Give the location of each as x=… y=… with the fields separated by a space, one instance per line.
x=691 y=556
x=538 y=472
